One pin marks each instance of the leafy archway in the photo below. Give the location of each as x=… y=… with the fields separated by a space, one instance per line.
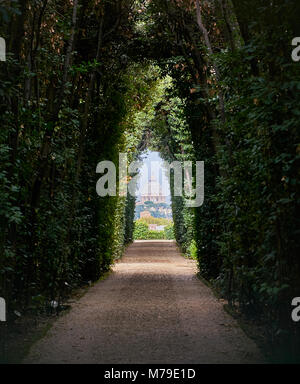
x=194 y=80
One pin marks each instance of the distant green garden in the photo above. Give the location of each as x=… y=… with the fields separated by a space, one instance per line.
x=142 y=231
x=210 y=81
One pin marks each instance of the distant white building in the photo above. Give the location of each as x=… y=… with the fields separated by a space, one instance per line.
x=152 y=191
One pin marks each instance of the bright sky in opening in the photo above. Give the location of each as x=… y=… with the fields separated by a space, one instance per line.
x=153 y=169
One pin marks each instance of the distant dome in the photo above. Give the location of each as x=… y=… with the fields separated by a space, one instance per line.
x=151 y=188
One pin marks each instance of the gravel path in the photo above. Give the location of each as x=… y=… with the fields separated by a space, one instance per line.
x=151 y=309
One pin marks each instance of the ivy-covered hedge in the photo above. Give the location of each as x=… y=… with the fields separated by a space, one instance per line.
x=84 y=85
x=63 y=110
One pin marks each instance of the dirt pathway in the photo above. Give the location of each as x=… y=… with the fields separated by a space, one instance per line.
x=151 y=309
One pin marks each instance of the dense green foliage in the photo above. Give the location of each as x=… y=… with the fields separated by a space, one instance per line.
x=85 y=80
x=142 y=231
x=67 y=102
x=235 y=104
